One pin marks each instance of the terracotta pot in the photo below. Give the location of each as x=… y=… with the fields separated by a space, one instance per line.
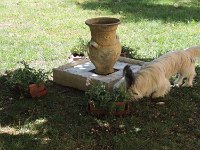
x=37 y=90
x=104 y=46
x=121 y=108
x=124 y=54
x=77 y=56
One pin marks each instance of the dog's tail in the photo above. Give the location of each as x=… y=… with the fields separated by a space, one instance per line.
x=194 y=51
x=129 y=76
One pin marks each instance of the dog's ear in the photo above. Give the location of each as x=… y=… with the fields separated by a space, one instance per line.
x=129 y=76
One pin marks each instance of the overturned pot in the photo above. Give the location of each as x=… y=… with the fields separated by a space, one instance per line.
x=104 y=46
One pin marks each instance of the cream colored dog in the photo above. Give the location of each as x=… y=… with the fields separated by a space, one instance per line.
x=153 y=77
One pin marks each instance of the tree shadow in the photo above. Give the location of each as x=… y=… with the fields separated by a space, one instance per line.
x=134 y=11
x=54 y=121
x=59 y=120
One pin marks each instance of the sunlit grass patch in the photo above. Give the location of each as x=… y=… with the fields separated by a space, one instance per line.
x=27 y=128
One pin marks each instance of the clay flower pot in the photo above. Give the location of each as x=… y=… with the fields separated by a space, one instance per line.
x=120 y=108
x=124 y=54
x=37 y=90
x=104 y=46
x=77 y=56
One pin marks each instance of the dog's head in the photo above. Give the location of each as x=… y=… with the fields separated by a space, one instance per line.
x=135 y=93
x=129 y=83
x=131 y=80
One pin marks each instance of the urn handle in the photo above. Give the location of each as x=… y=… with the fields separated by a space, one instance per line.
x=93 y=44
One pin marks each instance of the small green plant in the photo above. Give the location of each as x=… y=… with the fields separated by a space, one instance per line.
x=126 y=49
x=80 y=48
x=103 y=98
x=23 y=77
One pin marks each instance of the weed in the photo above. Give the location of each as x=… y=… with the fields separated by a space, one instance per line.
x=102 y=98
x=21 y=78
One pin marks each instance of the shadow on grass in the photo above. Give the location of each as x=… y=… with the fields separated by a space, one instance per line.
x=25 y=141
x=54 y=121
x=134 y=10
x=59 y=121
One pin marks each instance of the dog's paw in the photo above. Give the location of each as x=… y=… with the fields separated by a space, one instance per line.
x=187 y=85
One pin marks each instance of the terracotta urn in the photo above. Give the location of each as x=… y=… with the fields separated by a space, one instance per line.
x=104 y=46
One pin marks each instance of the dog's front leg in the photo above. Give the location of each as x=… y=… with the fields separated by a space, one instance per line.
x=188 y=82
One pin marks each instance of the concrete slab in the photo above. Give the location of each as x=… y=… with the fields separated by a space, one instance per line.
x=76 y=74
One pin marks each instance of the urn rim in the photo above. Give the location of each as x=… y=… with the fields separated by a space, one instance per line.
x=102 y=21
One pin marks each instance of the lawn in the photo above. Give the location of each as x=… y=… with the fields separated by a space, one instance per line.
x=44 y=32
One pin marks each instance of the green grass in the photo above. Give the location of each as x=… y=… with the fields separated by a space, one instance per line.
x=43 y=32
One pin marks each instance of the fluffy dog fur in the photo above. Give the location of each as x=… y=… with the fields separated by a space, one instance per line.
x=153 y=78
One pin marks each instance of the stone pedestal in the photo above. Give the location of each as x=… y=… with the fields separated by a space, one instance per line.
x=75 y=74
